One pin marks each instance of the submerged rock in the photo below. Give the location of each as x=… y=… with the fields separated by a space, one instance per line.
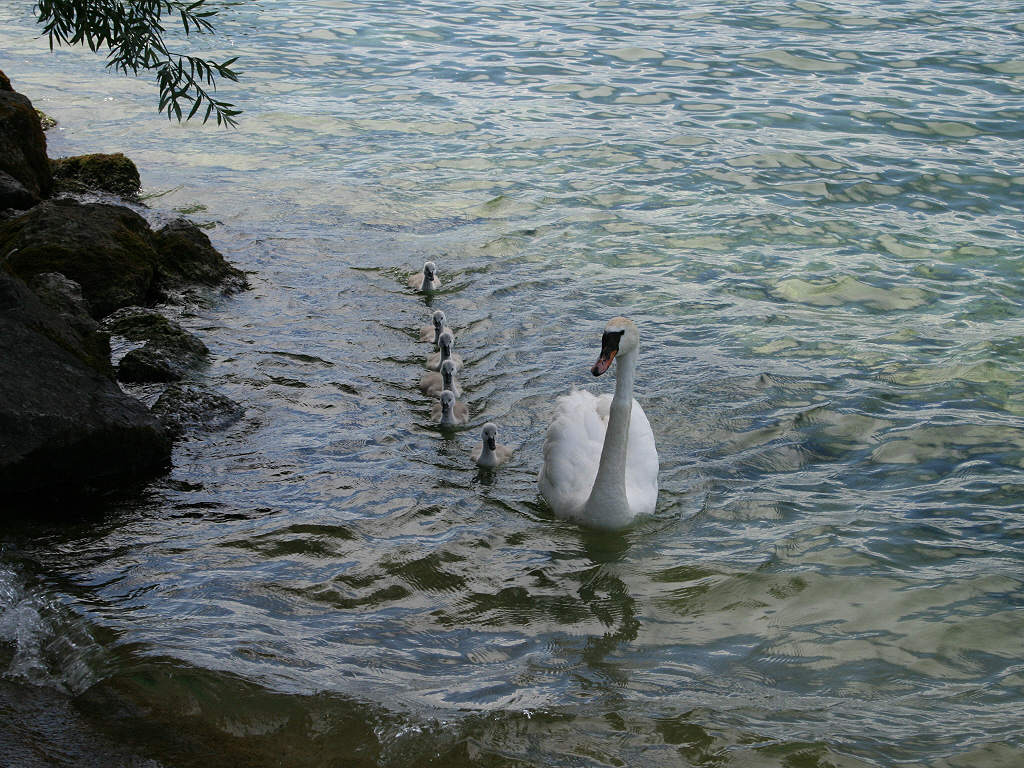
x=62 y=423
x=188 y=408
x=168 y=352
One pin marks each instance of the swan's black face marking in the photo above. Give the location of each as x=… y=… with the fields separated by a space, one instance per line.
x=609 y=349
x=491 y=442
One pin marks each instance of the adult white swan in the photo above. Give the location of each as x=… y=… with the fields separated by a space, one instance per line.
x=600 y=462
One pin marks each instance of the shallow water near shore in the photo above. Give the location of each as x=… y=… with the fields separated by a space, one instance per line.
x=814 y=215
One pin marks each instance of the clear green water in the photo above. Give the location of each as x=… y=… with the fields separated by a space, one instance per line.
x=813 y=212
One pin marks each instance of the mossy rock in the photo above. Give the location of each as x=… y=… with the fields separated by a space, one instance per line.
x=45 y=120
x=115 y=173
x=106 y=249
x=112 y=253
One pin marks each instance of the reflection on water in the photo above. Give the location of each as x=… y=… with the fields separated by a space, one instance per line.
x=813 y=214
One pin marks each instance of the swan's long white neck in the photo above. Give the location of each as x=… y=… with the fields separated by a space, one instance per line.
x=608 y=505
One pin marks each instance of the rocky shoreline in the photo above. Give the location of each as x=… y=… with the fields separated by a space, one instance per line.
x=79 y=264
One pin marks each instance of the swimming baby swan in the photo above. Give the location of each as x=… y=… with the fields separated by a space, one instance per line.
x=433 y=331
x=427 y=280
x=600 y=461
x=489 y=452
x=434 y=383
x=445 y=344
x=448 y=410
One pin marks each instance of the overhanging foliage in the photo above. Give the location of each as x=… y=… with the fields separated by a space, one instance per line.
x=133 y=31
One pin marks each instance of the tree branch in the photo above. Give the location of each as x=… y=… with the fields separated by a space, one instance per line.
x=133 y=32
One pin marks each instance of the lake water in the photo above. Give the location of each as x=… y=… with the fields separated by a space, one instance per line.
x=814 y=214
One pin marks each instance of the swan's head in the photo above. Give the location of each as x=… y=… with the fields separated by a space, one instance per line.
x=448 y=373
x=621 y=337
x=445 y=342
x=447 y=401
x=489 y=436
x=429 y=270
x=439 y=319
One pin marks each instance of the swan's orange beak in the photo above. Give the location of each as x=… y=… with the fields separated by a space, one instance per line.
x=609 y=349
x=605 y=360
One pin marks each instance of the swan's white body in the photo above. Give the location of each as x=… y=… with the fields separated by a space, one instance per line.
x=448 y=410
x=433 y=332
x=434 y=383
x=427 y=280
x=445 y=343
x=600 y=461
x=489 y=452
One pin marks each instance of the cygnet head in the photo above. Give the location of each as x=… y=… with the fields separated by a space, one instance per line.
x=621 y=337
x=445 y=342
x=447 y=403
x=489 y=435
x=448 y=374
x=429 y=271
x=439 y=319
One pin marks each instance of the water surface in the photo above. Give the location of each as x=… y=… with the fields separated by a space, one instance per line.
x=814 y=215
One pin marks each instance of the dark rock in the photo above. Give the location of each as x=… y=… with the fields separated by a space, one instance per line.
x=152 y=363
x=14 y=195
x=62 y=424
x=112 y=253
x=23 y=144
x=64 y=297
x=187 y=257
x=106 y=249
x=169 y=351
x=99 y=172
x=187 y=408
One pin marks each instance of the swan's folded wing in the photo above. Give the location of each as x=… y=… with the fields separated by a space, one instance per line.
x=572 y=452
x=641 y=463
